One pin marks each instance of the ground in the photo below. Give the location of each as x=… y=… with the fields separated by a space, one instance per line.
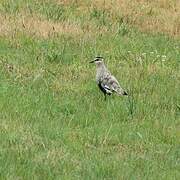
x=55 y=123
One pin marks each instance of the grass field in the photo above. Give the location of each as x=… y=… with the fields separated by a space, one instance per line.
x=55 y=123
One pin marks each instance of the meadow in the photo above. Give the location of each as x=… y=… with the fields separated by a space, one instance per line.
x=54 y=122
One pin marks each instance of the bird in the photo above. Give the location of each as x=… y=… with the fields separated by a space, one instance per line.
x=106 y=82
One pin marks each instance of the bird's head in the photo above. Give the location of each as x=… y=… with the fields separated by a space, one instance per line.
x=98 y=60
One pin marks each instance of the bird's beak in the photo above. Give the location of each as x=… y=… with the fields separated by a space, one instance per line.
x=91 y=61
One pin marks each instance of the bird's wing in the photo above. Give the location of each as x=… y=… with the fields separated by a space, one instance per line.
x=105 y=88
x=113 y=84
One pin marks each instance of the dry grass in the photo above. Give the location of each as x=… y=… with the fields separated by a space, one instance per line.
x=5 y=28
x=154 y=16
x=161 y=16
x=36 y=26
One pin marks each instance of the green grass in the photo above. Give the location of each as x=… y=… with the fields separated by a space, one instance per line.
x=55 y=123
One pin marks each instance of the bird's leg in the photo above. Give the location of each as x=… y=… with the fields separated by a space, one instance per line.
x=105 y=97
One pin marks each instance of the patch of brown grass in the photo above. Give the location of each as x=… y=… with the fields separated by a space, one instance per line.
x=161 y=16
x=5 y=28
x=155 y=16
x=47 y=28
x=36 y=26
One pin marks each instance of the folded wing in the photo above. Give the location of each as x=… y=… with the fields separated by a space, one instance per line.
x=105 y=88
x=113 y=85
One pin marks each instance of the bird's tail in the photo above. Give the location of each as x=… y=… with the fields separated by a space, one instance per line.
x=121 y=92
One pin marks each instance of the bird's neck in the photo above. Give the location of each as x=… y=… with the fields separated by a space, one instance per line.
x=101 y=69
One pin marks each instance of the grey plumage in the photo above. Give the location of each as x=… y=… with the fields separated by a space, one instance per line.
x=106 y=82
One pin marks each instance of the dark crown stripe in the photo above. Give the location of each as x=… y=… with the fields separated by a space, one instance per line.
x=99 y=57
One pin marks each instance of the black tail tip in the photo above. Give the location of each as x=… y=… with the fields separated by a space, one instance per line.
x=125 y=93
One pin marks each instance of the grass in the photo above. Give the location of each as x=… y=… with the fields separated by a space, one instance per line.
x=55 y=123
